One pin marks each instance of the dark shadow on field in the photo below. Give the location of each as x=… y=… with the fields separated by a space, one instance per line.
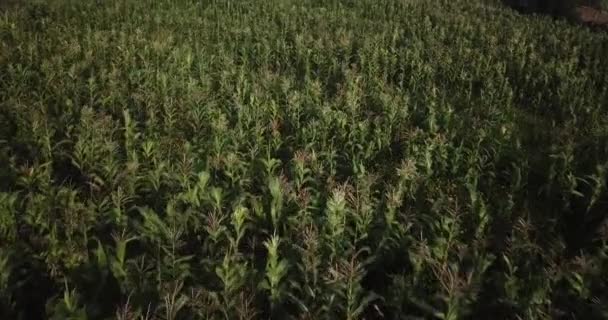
x=582 y=228
x=580 y=223
x=34 y=290
x=587 y=12
x=558 y=8
x=5 y=4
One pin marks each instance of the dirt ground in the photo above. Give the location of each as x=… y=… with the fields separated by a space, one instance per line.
x=592 y=16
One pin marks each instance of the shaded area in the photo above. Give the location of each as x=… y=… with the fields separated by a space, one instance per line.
x=589 y=12
x=5 y=4
x=559 y=7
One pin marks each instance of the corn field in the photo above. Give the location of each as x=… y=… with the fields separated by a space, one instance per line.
x=301 y=159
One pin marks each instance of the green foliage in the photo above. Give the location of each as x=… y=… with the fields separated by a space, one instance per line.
x=301 y=159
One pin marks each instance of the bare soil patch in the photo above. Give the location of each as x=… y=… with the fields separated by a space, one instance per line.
x=592 y=16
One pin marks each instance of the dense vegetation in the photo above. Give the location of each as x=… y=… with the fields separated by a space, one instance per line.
x=304 y=159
